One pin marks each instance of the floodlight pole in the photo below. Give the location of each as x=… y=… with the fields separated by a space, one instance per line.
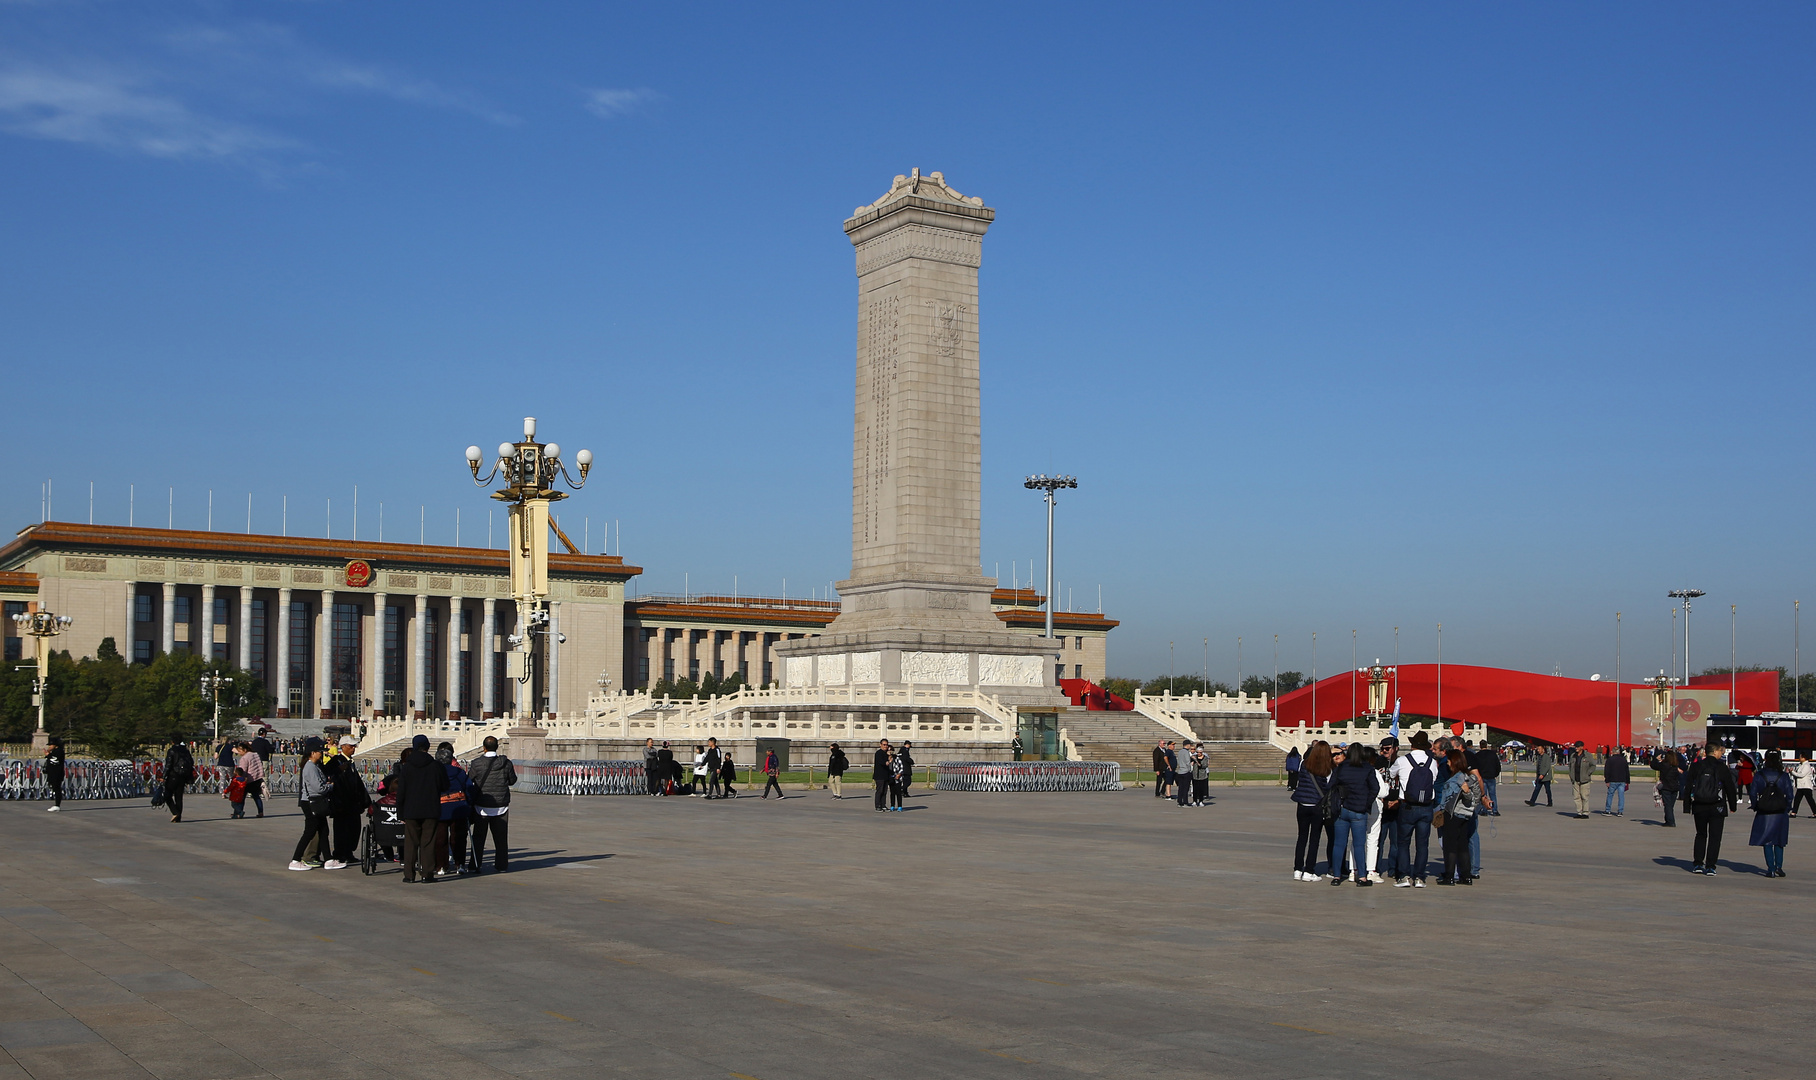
x=1687 y=595
x=1049 y=484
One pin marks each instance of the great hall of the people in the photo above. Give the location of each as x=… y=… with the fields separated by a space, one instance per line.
x=337 y=629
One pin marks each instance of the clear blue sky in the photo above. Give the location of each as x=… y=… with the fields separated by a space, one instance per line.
x=1345 y=316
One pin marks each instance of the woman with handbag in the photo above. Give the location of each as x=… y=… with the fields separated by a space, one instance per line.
x=1308 y=797
x=1770 y=796
x=312 y=797
x=1458 y=801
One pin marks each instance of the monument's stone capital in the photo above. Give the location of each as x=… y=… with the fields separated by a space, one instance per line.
x=917 y=199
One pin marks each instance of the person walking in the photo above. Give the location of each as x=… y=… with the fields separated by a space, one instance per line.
x=312 y=797
x=1710 y=795
x=1669 y=765
x=1460 y=799
x=253 y=767
x=1582 y=774
x=1615 y=777
x=651 y=767
x=53 y=772
x=772 y=771
x=1308 y=799
x=1357 y=788
x=1804 y=777
x=489 y=784
x=879 y=774
x=179 y=773
x=699 y=781
x=420 y=782
x=836 y=764
x=451 y=830
x=1541 y=775
x=1487 y=762
x=347 y=802
x=1416 y=774
x=712 y=768
x=1770 y=797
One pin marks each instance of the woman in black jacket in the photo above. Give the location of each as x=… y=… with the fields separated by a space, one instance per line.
x=179 y=773
x=1308 y=796
x=836 y=764
x=53 y=772
x=1357 y=785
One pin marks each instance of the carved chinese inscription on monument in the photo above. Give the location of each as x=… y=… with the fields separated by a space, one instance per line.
x=882 y=341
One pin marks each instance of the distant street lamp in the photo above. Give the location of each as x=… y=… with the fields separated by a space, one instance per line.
x=1686 y=595
x=41 y=626
x=1049 y=484
x=211 y=687
x=529 y=469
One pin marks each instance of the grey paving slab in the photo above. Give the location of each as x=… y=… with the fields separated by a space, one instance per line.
x=981 y=936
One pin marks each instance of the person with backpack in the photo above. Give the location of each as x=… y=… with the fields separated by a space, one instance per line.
x=179 y=773
x=1461 y=798
x=1710 y=795
x=1541 y=776
x=1669 y=765
x=772 y=770
x=489 y=784
x=836 y=764
x=1416 y=776
x=1582 y=774
x=1616 y=776
x=451 y=830
x=1308 y=797
x=1770 y=796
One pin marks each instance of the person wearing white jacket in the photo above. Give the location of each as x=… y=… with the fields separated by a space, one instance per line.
x=1803 y=776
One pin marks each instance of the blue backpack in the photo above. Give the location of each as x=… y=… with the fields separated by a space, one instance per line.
x=1420 y=789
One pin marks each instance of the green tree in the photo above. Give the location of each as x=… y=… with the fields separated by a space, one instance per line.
x=1182 y=685
x=1122 y=688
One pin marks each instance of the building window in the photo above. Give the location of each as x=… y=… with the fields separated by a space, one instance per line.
x=183 y=619
x=1078 y=671
x=466 y=662
x=141 y=651
x=643 y=671
x=1078 y=642
x=668 y=668
x=141 y=608
x=393 y=674
x=258 y=639
x=15 y=649
x=693 y=669
x=432 y=646
x=219 y=649
x=1059 y=672
x=300 y=625
x=344 y=685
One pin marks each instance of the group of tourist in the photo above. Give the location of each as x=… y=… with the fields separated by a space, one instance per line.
x=1370 y=808
x=1182 y=772
x=714 y=772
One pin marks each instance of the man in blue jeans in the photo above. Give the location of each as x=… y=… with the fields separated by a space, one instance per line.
x=1415 y=773
x=1617 y=775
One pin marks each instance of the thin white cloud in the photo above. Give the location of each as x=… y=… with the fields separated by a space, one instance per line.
x=107 y=110
x=413 y=91
x=610 y=103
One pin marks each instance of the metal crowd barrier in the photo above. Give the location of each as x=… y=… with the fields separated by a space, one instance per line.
x=1028 y=776
x=82 y=779
x=580 y=778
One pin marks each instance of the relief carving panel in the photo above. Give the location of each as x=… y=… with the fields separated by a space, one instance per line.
x=936 y=667
x=995 y=670
x=867 y=667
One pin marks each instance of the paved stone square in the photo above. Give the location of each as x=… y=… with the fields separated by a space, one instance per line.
x=973 y=936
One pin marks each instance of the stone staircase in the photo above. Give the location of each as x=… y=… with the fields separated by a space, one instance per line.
x=1129 y=737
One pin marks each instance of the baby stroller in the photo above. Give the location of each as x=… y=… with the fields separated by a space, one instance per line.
x=383 y=829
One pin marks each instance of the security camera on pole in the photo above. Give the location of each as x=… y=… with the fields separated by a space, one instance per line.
x=41 y=626
x=529 y=469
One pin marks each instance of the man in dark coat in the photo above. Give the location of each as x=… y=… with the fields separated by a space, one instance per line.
x=1710 y=795
x=712 y=768
x=1160 y=769
x=879 y=775
x=491 y=778
x=907 y=756
x=420 y=782
x=179 y=772
x=665 y=768
x=651 y=767
x=262 y=747
x=347 y=801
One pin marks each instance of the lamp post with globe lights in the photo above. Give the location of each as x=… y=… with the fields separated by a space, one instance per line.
x=212 y=684
x=1049 y=484
x=41 y=626
x=529 y=470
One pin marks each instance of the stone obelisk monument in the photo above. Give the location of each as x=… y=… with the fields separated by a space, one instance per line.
x=916 y=609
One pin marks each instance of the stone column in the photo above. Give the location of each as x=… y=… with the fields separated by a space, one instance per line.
x=419 y=660
x=483 y=657
x=129 y=643
x=324 y=662
x=245 y=631
x=170 y=617
x=379 y=602
x=282 y=660
x=207 y=622
x=454 y=605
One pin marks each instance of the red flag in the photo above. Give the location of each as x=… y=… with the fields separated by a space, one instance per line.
x=1456 y=727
